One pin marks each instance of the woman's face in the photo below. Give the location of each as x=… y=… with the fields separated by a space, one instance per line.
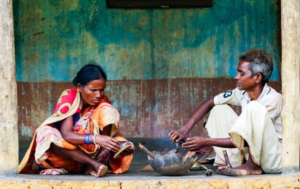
x=92 y=92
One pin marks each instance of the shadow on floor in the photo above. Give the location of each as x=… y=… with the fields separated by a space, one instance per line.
x=139 y=159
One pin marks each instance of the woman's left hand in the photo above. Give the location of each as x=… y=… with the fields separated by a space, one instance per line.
x=108 y=143
x=129 y=150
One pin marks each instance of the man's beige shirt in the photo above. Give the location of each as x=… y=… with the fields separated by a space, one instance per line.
x=271 y=99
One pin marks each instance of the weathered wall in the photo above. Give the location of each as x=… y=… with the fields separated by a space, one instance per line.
x=148 y=108
x=158 y=61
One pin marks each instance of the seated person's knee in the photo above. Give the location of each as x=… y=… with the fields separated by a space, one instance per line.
x=255 y=106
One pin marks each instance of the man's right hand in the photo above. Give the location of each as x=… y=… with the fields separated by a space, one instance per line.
x=201 y=111
x=179 y=135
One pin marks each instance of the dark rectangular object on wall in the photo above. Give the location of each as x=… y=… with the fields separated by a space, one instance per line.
x=158 y=3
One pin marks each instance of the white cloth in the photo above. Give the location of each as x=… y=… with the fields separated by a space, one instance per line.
x=269 y=98
x=219 y=123
x=255 y=126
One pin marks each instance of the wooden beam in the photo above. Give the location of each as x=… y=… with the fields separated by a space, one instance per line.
x=290 y=28
x=147 y=4
x=9 y=140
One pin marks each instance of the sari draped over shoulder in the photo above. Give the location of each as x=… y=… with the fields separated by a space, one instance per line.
x=40 y=159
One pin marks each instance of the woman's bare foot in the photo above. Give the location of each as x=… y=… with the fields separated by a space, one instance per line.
x=97 y=170
x=249 y=168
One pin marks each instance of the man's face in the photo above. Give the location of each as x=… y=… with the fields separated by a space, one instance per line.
x=244 y=81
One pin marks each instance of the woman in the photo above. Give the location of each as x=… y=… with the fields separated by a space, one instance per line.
x=82 y=135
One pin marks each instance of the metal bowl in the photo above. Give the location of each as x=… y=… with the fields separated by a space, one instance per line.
x=170 y=164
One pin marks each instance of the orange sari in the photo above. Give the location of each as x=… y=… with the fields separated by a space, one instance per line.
x=39 y=159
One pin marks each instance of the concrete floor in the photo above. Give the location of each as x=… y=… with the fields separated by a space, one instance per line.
x=135 y=174
x=134 y=178
x=139 y=161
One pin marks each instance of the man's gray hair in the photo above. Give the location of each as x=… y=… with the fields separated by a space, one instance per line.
x=260 y=62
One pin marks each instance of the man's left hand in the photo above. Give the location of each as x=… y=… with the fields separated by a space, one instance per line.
x=194 y=143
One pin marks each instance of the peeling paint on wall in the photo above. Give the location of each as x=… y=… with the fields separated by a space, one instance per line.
x=55 y=38
x=26 y=131
x=148 y=108
x=161 y=64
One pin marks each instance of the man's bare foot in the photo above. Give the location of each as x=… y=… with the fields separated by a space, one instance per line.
x=98 y=170
x=249 y=168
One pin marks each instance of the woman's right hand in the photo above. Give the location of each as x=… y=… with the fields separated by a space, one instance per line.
x=108 y=143
x=179 y=135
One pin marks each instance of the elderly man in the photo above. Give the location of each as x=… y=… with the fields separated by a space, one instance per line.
x=253 y=139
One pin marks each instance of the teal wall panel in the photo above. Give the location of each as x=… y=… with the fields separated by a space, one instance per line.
x=55 y=38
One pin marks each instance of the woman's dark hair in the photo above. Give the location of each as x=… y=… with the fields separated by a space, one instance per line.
x=88 y=73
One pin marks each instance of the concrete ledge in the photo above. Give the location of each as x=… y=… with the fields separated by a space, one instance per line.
x=88 y=182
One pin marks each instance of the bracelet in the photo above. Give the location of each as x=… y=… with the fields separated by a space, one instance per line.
x=89 y=140
x=94 y=139
x=86 y=139
x=125 y=143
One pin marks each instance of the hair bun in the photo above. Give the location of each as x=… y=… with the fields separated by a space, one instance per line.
x=75 y=81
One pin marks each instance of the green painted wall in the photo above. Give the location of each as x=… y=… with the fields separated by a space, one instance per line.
x=55 y=38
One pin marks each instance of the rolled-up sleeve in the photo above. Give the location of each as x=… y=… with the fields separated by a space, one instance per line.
x=232 y=97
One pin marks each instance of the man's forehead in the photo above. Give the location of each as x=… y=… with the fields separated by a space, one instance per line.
x=243 y=65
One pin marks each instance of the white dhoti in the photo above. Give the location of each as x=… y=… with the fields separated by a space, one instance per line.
x=253 y=125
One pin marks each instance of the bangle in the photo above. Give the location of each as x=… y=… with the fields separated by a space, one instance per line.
x=86 y=139
x=94 y=139
x=125 y=143
x=89 y=140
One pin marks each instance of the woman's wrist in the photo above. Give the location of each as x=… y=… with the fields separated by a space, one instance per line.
x=90 y=139
x=97 y=139
x=94 y=139
x=87 y=139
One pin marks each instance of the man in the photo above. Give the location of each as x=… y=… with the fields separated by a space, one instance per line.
x=254 y=135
